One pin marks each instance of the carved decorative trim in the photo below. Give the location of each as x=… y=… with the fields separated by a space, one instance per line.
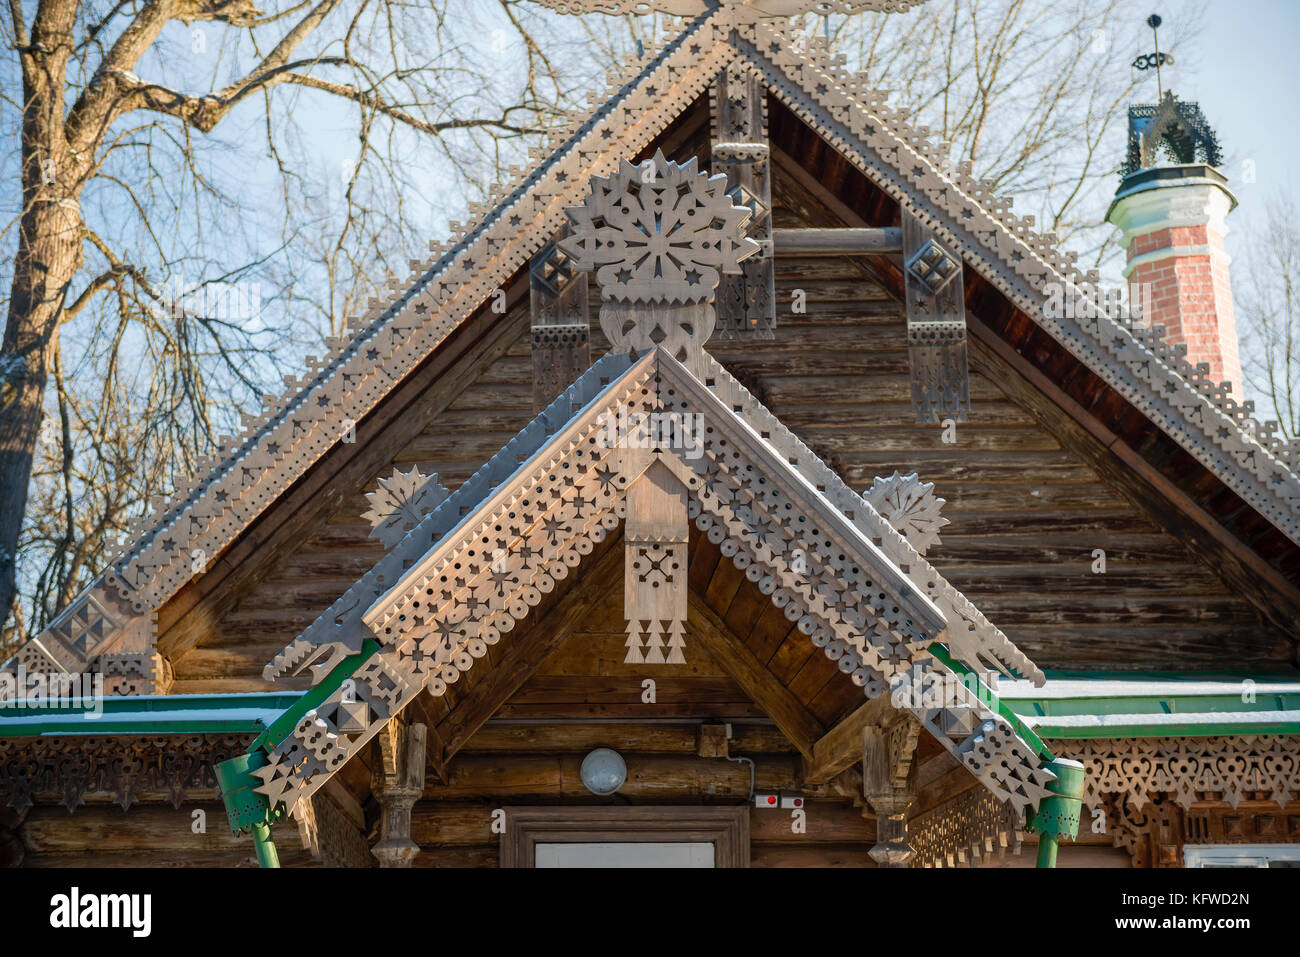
x=1151 y=833
x=1231 y=769
x=966 y=215
x=66 y=768
x=972 y=827
x=970 y=637
x=96 y=635
x=230 y=489
x=1154 y=835
x=295 y=429
x=446 y=607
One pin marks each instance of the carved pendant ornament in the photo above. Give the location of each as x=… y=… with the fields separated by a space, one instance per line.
x=740 y=149
x=660 y=236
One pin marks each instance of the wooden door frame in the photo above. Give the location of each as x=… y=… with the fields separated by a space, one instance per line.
x=726 y=828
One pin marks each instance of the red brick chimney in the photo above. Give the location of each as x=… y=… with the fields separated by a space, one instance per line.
x=1173 y=219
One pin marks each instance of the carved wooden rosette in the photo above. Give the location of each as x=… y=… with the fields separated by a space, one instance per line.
x=661 y=236
x=401 y=502
x=936 y=325
x=561 y=331
x=746 y=303
x=910 y=507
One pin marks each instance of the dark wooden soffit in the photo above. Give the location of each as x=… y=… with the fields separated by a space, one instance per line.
x=1072 y=402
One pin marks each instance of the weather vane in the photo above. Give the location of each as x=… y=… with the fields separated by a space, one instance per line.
x=1155 y=60
x=1169 y=126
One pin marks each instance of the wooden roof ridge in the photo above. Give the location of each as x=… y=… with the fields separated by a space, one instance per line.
x=426 y=613
x=314 y=413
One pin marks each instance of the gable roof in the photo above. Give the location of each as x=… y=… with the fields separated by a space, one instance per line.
x=320 y=407
x=481 y=560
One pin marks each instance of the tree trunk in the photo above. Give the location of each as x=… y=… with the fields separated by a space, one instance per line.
x=48 y=257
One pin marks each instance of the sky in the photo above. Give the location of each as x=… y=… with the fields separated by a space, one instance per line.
x=1245 y=73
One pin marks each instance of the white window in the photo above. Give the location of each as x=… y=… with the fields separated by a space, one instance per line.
x=626 y=854
x=1241 y=855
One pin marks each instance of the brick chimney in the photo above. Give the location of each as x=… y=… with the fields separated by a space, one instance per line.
x=1173 y=219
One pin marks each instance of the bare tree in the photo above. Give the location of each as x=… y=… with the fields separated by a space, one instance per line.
x=137 y=221
x=1032 y=94
x=1268 y=296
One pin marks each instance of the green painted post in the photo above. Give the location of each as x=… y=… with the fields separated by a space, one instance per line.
x=1058 y=813
x=266 y=855
x=1046 y=851
x=248 y=810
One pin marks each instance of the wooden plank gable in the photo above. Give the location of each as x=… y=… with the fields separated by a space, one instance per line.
x=1027 y=511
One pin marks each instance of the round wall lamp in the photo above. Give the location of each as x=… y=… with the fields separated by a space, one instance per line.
x=603 y=771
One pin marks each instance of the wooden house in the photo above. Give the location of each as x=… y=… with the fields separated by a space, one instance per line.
x=743 y=486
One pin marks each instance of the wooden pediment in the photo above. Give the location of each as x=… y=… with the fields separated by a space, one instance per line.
x=478 y=580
